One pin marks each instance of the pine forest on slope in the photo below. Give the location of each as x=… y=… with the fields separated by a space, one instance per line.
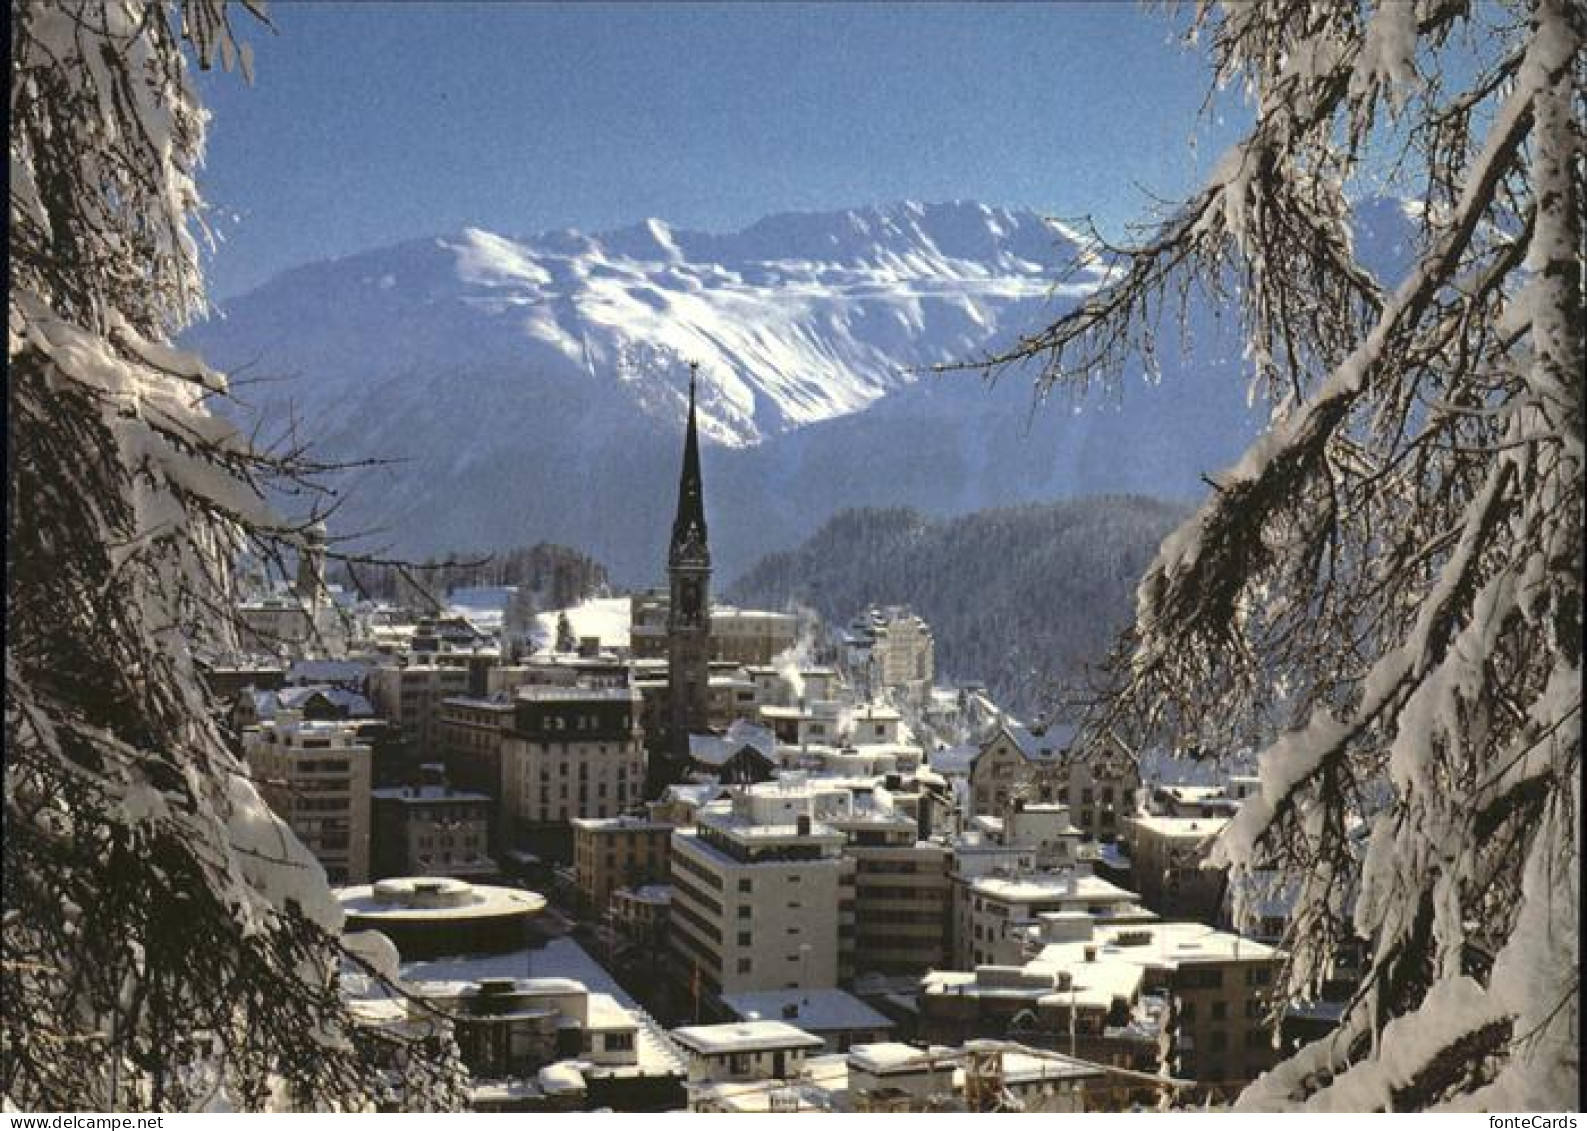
x=1019 y=598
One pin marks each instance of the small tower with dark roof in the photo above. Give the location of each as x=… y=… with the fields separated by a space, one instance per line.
x=689 y=615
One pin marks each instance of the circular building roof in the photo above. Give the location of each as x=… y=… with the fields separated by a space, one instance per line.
x=434 y=899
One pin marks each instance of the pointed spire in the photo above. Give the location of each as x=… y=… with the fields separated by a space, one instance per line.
x=688 y=528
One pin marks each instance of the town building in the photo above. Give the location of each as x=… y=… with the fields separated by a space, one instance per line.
x=473 y=731
x=892 y=648
x=740 y=637
x=1175 y=997
x=639 y=916
x=431 y=830
x=1167 y=855
x=410 y=692
x=688 y=610
x=745 y=754
x=902 y=894
x=570 y=752
x=316 y=776
x=429 y=916
x=1043 y=827
x=996 y=911
x=762 y=894
x=539 y=1024
x=618 y=852
x=839 y=1018
x=745 y=1050
x=1190 y=801
x=1040 y=764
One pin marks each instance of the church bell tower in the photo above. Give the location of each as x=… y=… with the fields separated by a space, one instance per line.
x=689 y=615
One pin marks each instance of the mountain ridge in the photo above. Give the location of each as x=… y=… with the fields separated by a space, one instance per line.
x=534 y=389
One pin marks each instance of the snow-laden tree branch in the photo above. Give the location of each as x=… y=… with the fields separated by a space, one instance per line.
x=168 y=943
x=1388 y=581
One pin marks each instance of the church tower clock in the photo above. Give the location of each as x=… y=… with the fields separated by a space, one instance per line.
x=689 y=613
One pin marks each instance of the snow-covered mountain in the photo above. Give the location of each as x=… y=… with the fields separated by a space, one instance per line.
x=533 y=388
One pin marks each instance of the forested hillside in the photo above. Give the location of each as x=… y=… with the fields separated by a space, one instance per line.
x=560 y=575
x=1019 y=598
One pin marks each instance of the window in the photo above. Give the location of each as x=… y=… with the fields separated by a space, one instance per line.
x=619 y=1042
x=1220 y=1011
x=743 y=911
x=1187 y=1010
x=743 y=938
x=1218 y=1040
x=745 y=885
x=744 y=966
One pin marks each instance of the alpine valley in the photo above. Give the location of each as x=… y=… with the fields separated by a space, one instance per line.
x=533 y=389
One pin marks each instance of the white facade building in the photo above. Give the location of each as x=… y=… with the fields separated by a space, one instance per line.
x=760 y=890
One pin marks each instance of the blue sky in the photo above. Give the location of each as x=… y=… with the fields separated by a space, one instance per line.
x=373 y=122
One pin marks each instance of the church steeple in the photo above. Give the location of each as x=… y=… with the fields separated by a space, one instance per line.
x=689 y=545
x=689 y=614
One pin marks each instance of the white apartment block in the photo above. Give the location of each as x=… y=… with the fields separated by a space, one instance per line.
x=762 y=894
x=316 y=776
x=998 y=913
x=893 y=648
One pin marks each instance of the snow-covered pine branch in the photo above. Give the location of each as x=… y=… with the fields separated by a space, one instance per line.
x=168 y=942
x=1389 y=580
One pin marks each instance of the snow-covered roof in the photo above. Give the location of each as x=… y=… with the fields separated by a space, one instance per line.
x=267 y=703
x=716 y=750
x=326 y=671
x=744 y=1036
x=561 y=1078
x=553 y=694
x=1067 y=885
x=561 y=958
x=1180 y=828
x=1022 y=1068
x=1159 y=945
x=884 y=1057
x=432 y=898
x=815 y=1011
x=427 y=794
x=648 y=893
x=952 y=760
x=624 y=821
x=1044 y=746
x=696 y=794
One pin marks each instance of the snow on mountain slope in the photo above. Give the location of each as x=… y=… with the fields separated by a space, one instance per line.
x=533 y=389
x=795 y=320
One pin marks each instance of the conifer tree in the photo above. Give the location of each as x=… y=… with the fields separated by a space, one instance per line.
x=1389 y=580
x=168 y=943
